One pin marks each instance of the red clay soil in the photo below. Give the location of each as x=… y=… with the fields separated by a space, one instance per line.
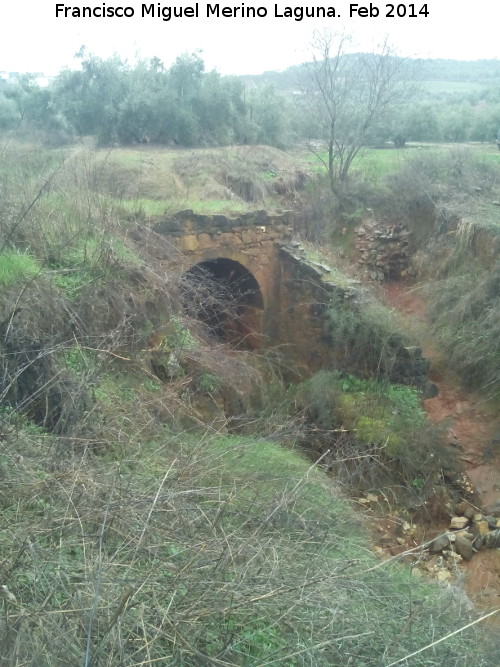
x=470 y=429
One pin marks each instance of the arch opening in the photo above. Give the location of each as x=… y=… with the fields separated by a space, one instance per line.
x=226 y=298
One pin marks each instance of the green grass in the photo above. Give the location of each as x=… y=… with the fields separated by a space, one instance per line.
x=379 y=162
x=90 y=261
x=160 y=157
x=336 y=274
x=158 y=179
x=315 y=161
x=386 y=443
x=143 y=206
x=485 y=214
x=94 y=250
x=274 y=470
x=373 y=163
x=57 y=204
x=490 y=155
x=16 y=266
x=217 y=206
x=349 y=399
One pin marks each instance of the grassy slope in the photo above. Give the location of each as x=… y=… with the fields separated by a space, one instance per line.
x=199 y=550
x=234 y=179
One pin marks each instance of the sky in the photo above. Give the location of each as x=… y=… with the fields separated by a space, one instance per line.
x=34 y=39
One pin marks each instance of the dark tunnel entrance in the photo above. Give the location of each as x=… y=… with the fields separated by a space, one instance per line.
x=226 y=298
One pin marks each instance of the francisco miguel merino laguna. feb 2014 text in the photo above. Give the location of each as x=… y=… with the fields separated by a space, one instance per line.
x=215 y=10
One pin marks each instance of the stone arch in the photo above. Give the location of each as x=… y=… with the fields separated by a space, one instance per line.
x=225 y=295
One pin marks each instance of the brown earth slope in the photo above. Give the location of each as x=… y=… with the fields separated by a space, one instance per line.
x=472 y=431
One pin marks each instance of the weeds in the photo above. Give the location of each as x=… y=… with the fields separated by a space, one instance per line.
x=376 y=432
x=173 y=555
x=16 y=267
x=461 y=279
x=135 y=532
x=364 y=331
x=465 y=311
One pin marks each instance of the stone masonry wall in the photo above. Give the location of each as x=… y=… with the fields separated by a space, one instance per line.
x=383 y=249
x=306 y=292
x=249 y=239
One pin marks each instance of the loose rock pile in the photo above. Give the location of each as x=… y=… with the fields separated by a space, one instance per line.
x=383 y=249
x=469 y=532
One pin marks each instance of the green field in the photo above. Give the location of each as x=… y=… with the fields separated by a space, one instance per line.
x=456 y=87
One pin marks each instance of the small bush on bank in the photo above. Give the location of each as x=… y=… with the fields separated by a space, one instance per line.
x=376 y=432
x=363 y=331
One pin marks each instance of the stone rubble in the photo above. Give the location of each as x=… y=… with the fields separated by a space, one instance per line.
x=469 y=532
x=383 y=249
x=458 y=522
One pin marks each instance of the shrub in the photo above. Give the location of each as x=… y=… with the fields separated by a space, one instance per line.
x=377 y=433
x=363 y=331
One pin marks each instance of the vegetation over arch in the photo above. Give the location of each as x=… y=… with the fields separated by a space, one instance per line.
x=226 y=297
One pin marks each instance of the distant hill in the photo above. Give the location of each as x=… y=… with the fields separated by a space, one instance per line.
x=476 y=71
x=483 y=73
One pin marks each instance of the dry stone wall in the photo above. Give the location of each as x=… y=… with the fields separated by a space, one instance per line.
x=383 y=249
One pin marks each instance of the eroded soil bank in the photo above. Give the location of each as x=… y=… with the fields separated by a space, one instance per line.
x=473 y=433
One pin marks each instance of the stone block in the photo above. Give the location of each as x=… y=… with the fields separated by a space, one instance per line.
x=168 y=227
x=228 y=240
x=482 y=527
x=250 y=236
x=190 y=243
x=439 y=543
x=492 y=540
x=458 y=522
x=205 y=241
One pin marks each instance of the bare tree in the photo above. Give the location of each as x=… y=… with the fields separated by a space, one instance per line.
x=350 y=95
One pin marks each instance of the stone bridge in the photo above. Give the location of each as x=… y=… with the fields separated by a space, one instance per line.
x=281 y=293
x=244 y=254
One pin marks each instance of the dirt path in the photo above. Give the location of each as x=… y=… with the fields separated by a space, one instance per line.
x=474 y=432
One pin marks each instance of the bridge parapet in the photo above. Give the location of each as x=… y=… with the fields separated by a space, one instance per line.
x=308 y=290
x=192 y=232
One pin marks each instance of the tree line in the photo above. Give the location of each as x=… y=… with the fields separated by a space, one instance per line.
x=117 y=102
x=121 y=103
